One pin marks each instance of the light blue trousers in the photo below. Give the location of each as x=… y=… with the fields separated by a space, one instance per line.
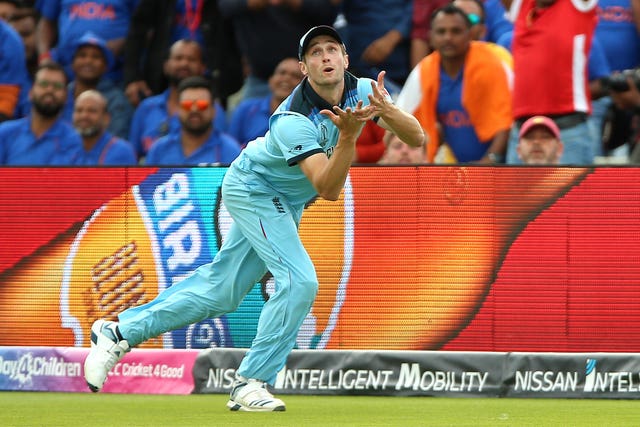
x=264 y=236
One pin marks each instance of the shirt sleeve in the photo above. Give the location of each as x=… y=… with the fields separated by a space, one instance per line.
x=295 y=136
x=13 y=70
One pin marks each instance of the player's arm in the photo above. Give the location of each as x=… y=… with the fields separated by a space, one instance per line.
x=328 y=174
x=392 y=118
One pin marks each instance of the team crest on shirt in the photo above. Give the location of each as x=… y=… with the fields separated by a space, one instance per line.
x=323 y=134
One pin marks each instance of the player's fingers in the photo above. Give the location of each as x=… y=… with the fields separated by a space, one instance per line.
x=381 y=75
x=329 y=114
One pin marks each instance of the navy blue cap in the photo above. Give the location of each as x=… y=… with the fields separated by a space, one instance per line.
x=320 y=30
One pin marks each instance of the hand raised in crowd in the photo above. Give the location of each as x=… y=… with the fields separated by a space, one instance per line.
x=381 y=48
x=137 y=91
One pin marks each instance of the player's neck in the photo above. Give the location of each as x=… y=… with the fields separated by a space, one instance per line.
x=330 y=93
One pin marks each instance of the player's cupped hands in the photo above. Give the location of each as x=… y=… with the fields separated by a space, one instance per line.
x=349 y=121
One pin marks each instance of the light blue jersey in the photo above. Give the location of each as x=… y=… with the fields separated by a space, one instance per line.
x=297 y=130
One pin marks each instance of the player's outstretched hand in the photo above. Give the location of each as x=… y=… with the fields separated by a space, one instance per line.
x=350 y=120
x=379 y=100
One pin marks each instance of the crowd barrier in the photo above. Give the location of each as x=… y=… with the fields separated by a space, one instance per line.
x=337 y=372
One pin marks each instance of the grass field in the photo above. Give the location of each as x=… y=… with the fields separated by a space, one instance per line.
x=83 y=409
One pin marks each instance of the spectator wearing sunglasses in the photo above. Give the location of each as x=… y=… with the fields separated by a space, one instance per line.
x=477 y=14
x=197 y=142
x=156 y=115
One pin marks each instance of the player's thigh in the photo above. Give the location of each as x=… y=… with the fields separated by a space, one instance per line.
x=271 y=227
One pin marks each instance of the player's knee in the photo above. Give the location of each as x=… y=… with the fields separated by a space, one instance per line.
x=307 y=289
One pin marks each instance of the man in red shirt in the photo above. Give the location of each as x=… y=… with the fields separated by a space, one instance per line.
x=551 y=42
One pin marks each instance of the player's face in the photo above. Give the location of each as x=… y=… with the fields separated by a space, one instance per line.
x=539 y=147
x=89 y=64
x=325 y=61
x=49 y=93
x=185 y=60
x=90 y=116
x=450 y=35
x=196 y=111
x=285 y=77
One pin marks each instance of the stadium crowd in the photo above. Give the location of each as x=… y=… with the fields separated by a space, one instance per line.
x=471 y=71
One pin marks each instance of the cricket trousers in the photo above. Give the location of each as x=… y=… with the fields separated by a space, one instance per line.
x=264 y=237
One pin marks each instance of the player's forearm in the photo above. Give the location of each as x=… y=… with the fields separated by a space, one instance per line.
x=336 y=171
x=404 y=125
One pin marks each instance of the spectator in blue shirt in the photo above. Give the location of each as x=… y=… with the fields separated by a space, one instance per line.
x=197 y=142
x=13 y=70
x=63 y=22
x=250 y=119
x=43 y=138
x=91 y=60
x=155 y=116
x=24 y=20
x=91 y=120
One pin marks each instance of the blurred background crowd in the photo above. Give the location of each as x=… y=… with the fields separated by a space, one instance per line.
x=190 y=82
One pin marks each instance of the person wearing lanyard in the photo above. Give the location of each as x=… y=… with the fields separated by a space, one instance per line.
x=91 y=120
x=157 y=24
x=189 y=26
x=197 y=141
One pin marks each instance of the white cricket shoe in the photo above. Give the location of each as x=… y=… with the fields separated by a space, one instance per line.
x=106 y=351
x=252 y=395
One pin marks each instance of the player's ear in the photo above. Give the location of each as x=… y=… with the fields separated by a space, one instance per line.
x=346 y=61
x=303 y=68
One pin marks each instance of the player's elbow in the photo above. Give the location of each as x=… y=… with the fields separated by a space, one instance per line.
x=419 y=138
x=332 y=196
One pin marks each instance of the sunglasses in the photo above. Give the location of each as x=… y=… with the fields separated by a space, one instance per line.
x=45 y=84
x=474 y=18
x=201 y=104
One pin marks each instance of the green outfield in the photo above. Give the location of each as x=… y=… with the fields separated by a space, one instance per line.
x=70 y=409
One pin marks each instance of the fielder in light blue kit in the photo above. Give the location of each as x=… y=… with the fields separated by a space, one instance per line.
x=306 y=152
